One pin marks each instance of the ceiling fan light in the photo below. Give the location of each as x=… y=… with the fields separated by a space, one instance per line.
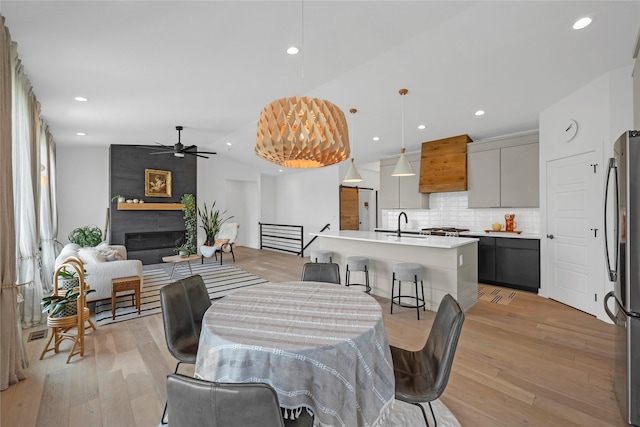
x=302 y=132
x=352 y=174
x=178 y=155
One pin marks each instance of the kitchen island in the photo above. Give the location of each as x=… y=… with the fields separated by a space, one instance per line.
x=450 y=263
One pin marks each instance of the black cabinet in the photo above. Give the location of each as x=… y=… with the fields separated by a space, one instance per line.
x=487 y=259
x=514 y=263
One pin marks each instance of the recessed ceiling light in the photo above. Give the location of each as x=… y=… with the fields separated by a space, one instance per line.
x=80 y=133
x=375 y=138
x=279 y=170
x=582 y=23
x=422 y=127
x=228 y=143
x=479 y=113
x=81 y=99
x=293 y=50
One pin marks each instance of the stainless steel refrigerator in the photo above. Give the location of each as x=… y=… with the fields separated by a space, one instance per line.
x=622 y=253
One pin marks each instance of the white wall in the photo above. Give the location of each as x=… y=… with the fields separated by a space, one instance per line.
x=83 y=188
x=243 y=202
x=309 y=198
x=603 y=111
x=234 y=187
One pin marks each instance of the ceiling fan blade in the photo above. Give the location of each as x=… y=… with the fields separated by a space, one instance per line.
x=205 y=152
x=191 y=147
x=163 y=152
x=195 y=154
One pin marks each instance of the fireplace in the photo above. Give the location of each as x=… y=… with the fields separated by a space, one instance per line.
x=150 y=247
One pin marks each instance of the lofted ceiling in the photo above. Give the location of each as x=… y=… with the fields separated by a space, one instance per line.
x=211 y=66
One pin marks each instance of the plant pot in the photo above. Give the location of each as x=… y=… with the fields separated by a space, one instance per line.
x=207 y=251
x=120 y=199
x=70 y=283
x=70 y=309
x=183 y=254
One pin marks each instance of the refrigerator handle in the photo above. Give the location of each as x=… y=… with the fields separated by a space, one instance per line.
x=612 y=272
x=613 y=317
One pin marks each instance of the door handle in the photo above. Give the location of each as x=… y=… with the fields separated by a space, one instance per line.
x=595 y=232
x=550 y=236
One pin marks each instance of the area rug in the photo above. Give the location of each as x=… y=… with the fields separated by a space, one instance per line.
x=495 y=295
x=220 y=280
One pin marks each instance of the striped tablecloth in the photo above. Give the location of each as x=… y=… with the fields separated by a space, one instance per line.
x=321 y=346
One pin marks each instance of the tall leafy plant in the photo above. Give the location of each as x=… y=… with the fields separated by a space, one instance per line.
x=190 y=223
x=212 y=220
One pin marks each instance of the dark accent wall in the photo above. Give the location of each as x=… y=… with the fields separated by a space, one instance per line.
x=127 y=164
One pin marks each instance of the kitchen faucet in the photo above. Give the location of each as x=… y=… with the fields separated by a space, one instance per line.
x=406 y=221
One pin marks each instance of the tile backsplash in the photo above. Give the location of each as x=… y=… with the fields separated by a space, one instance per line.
x=450 y=210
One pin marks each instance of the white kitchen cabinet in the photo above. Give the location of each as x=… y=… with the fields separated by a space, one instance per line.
x=401 y=192
x=503 y=172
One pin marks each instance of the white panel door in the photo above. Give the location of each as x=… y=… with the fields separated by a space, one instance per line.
x=572 y=214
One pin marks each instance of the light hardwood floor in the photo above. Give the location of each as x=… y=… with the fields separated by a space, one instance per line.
x=534 y=362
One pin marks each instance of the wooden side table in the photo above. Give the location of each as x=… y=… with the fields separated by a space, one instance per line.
x=120 y=284
x=177 y=259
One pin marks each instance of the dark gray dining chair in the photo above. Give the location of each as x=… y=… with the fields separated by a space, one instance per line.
x=194 y=403
x=183 y=306
x=321 y=272
x=421 y=376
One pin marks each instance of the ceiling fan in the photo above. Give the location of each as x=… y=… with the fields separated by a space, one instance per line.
x=178 y=150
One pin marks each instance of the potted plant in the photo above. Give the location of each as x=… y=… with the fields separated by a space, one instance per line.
x=190 y=224
x=119 y=197
x=89 y=235
x=212 y=220
x=63 y=305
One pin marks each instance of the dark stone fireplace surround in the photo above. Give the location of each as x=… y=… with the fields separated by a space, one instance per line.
x=148 y=234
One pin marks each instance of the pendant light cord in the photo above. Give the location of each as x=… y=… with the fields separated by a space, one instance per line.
x=402 y=115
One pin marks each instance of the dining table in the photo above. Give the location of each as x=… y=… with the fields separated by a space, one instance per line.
x=321 y=346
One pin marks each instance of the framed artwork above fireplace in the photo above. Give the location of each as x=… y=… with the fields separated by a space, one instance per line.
x=157 y=183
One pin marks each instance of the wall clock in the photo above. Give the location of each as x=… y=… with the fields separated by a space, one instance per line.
x=569 y=130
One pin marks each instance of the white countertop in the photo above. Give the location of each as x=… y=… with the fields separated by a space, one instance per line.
x=480 y=233
x=473 y=233
x=391 y=238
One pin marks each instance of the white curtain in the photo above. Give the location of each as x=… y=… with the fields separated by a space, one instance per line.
x=25 y=156
x=48 y=207
x=13 y=359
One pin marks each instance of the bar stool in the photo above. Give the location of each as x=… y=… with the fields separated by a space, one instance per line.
x=358 y=263
x=409 y=272
x=321 y=256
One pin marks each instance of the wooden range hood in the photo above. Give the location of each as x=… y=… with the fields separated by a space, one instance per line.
x=443 y=165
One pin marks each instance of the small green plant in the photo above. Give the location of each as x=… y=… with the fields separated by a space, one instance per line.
x=190 y=223
x=212 y=220
x=118 y=197
x=55 y=304
x=89 y=235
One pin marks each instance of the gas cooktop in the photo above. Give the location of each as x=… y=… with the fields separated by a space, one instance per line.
x=443 y=231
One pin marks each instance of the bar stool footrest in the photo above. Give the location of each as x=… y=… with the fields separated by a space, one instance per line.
x=419 y=301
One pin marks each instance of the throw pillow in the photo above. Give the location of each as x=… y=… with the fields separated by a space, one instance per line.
x=222 y=244
x=91 y=256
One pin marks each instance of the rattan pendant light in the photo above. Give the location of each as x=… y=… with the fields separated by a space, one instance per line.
x=403 y=167
x=302 y=132
x=352 y=174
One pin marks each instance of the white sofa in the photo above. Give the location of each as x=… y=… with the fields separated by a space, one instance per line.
x=99 y=270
